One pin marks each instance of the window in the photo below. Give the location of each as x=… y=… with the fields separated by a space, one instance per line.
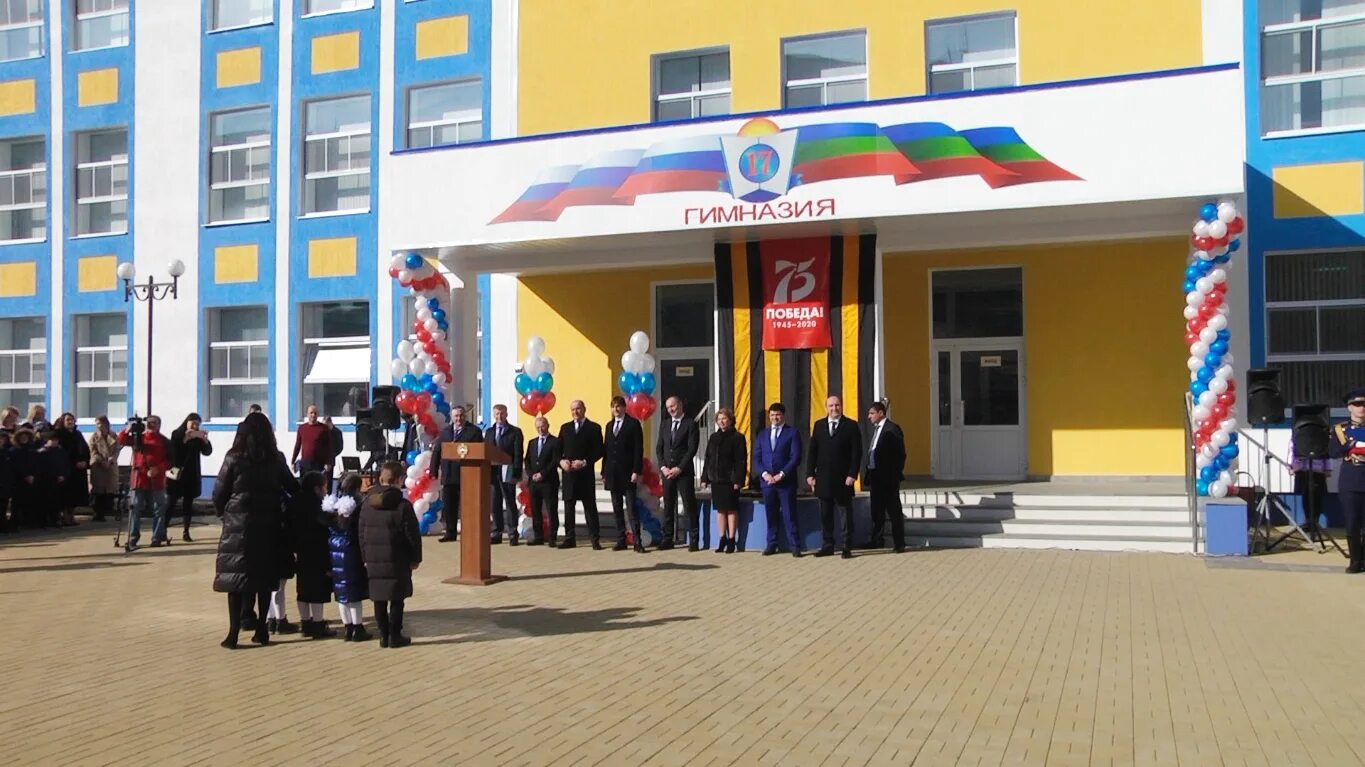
x=1315 y=323
x=336 y=358
x=450 y=113
x=684 y=315
x=825 y=70
x=102 y=366
x=228 y=14
x=333 y=6
x=21 y=29
x=336 y=166
x=978 y=303
x=23 y=362
x=102 y=182
x=692 y=85
x=101 y=23
x=972 y=54
x=239 y=360
x=23 y=189
x=1313 y=64
x=239 y=165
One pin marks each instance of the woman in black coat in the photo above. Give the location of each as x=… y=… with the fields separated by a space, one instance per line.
x=391 y=545
x=188 y=445
x=312 y=557
x=75 y=491
x=724 y=470
x=253 y=486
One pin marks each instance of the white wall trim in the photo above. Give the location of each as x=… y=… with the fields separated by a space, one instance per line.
x=56 y=223
x=503 y=68
x=505 y=350
x=1221 y=29
x=283 y=196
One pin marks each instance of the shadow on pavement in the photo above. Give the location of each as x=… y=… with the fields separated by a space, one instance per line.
x=583 y=573
x=72 y=566
x=178 y=550
x=482 y=624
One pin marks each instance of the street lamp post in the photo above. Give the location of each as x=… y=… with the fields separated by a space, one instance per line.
x=151 y=291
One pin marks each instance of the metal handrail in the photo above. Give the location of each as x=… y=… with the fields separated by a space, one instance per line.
x=705 y=426
x=1191 y=472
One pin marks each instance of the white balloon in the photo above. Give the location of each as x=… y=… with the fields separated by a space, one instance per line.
x=414 y=471
x=1216 y=323
x=1203 y=284
x=1226 y=478
x=535 y=346
x=549 y=363
x=397 y=261
x=1218 y=386
x=1200 y=412
x=1218 y=489
x=1219 y=276
x=1194 y=375
x=633 y=362
x=439 y=379
x=424 y=459
x=1208 y=335
x=1208 y=398
x=649 y=364
x=1201 y=460
x=1191 y=312
x=1220 y=438
x=1203 y=255
x=397 y=368
x=1194 y=363
x=406 y=350
x=1227 y=211
x=438 y=335
x=1201 y=228
x=1209 y=450
x=404 y=276
x=1199 y=349
x=1221 y=250
x=431 y=324
x=639 y=342
x=417 y=366
x=534 y=366
x=1218 y=230
x=1224 y=371
x=421 y=506
x=1228 y=360
x=1193 y=298
x=423 y=314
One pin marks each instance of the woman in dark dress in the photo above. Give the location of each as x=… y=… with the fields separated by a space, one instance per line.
x=249 y=496
x=312 y=565
x=724 y=470
x=75 y=491
x=188 y=445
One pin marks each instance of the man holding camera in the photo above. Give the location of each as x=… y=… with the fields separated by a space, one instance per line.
x=151 y=460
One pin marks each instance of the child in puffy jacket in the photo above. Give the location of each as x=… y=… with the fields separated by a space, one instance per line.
x=54 y=468
x=349 y=580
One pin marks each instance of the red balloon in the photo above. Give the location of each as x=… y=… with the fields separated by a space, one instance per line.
x=547 y=402
x=1219 y=411
x=393 y=272
x=530 y=402
x=1227 y=398
x=1236 y=225
x=1232 y=388
x=1203 y=243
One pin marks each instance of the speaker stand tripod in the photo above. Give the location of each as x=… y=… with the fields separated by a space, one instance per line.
x=1264 y=527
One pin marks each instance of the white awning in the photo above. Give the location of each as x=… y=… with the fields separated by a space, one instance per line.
x=340 y=364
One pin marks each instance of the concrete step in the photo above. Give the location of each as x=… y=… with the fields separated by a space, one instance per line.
x=1073 y=528
x=1081 y=543
x=994 y=500
x=1037 y=514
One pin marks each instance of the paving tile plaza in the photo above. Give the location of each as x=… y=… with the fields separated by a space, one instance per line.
x=971 y=657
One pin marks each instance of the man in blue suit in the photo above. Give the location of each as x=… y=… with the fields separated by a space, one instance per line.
x=777 y=456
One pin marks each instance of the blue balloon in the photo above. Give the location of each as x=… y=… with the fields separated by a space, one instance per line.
x=1223 y=259
x=411 y=457
x=1192 y=273
x=408 y=381
x=1213 y=361
x=439 y=314
x=1225 y=335
x=435 y=507
x=444 y=409
x=1205 y=375
x=433 y=304
x=438 y=399
x=443 y=325
x=1209 y=212
x=544 y=383
x=413 y=261
x=647 y=383
x=1234 y=246
x=1218 y=347
x=1197 y=388
x=629 y=383
x=1201 y=487
x=423 y=528
x=1188 y=287
x=1229 y=451
x=1232 y=439
x=524 y=384
x=432 y=389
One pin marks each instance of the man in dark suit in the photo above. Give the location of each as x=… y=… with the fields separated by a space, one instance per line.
x=580 y=441
x=505 y=478
x=836 y=451
x=542 y=469
x=883 y=475
x=623 y=460
x=458 y=430
x=777 y=458
x=677 y=446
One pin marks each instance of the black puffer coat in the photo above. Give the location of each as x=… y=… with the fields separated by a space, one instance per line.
x=250 y=497
x=312 y=559
x=389 y=542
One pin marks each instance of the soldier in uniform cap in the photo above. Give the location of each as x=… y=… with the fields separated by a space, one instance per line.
x=1348 y=444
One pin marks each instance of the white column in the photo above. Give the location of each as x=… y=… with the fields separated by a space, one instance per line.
x=56 y=224
x=463 y=316
x=1222 y=31
x=387 y=291
x=503 y=69
x=505 y=349
x=283 y=417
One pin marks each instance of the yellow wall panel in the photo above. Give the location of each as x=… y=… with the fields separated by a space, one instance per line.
x=18 y=97
x=236 y=263
x=333 y=257
x=1328 y=189
x=96 y=273
x=336 y=53
x=239 y=67
x=98 y=86
x=565 y=85
x=586 y=342
x=1104 y=368
x=446 y=36
x=19 y=279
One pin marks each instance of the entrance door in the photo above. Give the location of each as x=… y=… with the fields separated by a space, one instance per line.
x=686 y=378
x=979 y=391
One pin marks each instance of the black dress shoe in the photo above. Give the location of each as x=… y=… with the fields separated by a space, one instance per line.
x=261 y=637
x=398 y=640
x=285 y=627
x=871 y=545
x=249 y=623
x=665 y=546
x=361 y=635
x=272 y=626
x=596 y=545
x=497 y=538
x=350 y=633
x=446 y=539
x=825 y=551
x=186 y=538
x=513 y=539
x=639 y=547
x=383 y=640
x=693 y=547
x=157 y=544
x=230 y=643
x=771 y=550
x=534 y=543
x=900 y=548
x=1354 y=567
x=621 y=545
x=848 y=554
x=567 y=543
x=797 y=553
x=730 y=546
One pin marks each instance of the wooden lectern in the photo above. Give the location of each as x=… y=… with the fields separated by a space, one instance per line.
x=476 y=460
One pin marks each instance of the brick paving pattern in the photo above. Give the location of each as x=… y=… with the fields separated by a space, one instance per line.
x=965 y=657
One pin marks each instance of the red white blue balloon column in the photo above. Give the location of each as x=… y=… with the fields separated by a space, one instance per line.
x=1213 y=387
x=637 y=381
x=423 y=372
x=535 y=379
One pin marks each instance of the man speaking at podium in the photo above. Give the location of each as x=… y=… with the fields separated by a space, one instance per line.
x=458 y=430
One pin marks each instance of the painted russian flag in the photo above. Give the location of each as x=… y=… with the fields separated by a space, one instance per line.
x=596 y=182
x=941 y=152
x=1003 y=147
x=530 y=206
x=847 y=150
x=683 y=165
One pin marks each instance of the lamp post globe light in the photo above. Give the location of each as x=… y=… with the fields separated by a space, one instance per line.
x=150 y=292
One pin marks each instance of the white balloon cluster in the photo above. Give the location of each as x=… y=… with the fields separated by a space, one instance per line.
x=414 y=483
x=537 y=361
x=638 y=360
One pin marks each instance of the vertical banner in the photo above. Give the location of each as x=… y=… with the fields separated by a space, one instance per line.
x=796 y=301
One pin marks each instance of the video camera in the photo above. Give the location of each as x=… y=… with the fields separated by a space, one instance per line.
x=137 y=426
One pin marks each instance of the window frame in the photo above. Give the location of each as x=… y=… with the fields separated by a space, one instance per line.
x=1314 y=26
x=409 y=126
x=693 y=97
x=825 y=82
x=1268 y=306
x=930 y=69
x=214 y=26
x=305 y=176
x=77 y=17
x=334 y=342
x=80 y=350
x=40 y=24
x=6 y=209
x=305 y=11
x=214 y=325
x=100 y=199
x=10 y=356
x=248 y=147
